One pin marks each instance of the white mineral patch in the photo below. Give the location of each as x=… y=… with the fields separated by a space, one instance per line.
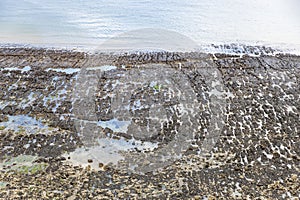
x=236 y=192
x=291 y=109
x=290 y=84
x=64 y=70
x=269 y=156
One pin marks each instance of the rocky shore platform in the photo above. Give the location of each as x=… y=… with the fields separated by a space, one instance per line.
x=255 y=155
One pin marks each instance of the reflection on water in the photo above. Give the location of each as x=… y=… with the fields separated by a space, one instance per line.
x=108 y=151
x=23 y=122
x=92 y=22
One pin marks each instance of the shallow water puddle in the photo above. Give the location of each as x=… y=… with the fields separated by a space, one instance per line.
x=64 y=70
x=115 y=125
x=5 y=103
x=24 y=123
x=24 y=69
x=103 y=68
x=23 y=164
x=56 y=97
x=3 y=184
x=108 y=151
x=31 y=98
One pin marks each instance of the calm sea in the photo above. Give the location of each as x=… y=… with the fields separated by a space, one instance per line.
x=92 y=22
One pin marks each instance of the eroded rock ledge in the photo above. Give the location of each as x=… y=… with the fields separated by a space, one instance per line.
x=256 y=156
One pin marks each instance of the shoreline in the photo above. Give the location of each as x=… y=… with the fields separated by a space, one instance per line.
x=221 y=48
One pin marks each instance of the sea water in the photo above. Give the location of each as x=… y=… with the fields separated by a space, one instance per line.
x=90 y=23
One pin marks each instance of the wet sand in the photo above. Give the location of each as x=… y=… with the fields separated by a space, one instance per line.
x=256 y=156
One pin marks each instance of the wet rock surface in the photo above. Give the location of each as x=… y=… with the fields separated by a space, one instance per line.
x=256 y=156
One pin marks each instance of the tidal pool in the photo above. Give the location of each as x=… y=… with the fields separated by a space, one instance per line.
x=24 y=123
